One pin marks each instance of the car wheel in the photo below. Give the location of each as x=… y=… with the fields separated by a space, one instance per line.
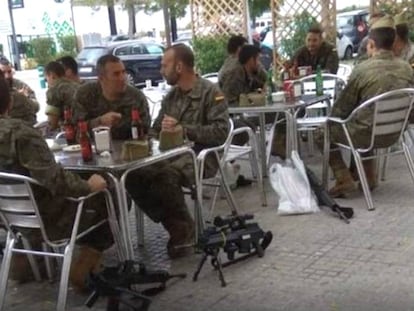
x=348 y=53
x=130 y=78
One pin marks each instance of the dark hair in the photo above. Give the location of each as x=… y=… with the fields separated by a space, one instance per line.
x=235 y=42
x=105 y=59
x=247 y=52
x=56 y=68
x=183 y=53
x=316 y=29
x=383 y=37
x=402 y=32
x=4 y=94
x=4 y=61
x=69 y=62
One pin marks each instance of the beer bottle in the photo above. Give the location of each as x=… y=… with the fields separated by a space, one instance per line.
x=319 y=81
x=69 y=127
x=85 y=141
x=137 y=130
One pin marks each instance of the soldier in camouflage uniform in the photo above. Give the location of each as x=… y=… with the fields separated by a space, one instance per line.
x=108 y=102
x=197 y=107
x=234 y=46
x=71 y=68
x=365 y=83
x=317 y=52
x=61 y=93
x=19 y=86
x=22 y=108
x=24 y=151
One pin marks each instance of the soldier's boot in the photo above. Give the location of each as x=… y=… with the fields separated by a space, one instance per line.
x=344 y=183
x=180 y=227
x=88 y=260
x=279 y=145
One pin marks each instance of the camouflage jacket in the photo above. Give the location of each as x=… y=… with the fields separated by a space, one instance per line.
x=22 y=109
x=18 y=85
x=365 y=82
x=203 y=114
x=327 y=58
x=60 y=95
x=91 y=104
x=236 y=81
x=24 y=151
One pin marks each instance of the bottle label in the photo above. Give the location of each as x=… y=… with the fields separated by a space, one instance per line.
x=134 y=132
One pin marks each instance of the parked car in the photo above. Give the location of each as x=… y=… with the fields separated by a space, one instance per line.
x=142 y=60
x=353 y=24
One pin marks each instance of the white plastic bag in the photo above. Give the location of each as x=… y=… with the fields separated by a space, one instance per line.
x=292 y=186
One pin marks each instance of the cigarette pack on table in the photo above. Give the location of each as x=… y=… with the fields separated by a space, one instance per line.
x=171 y=139
x=135 y=149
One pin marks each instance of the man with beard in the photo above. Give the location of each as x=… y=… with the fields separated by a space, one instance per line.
x=108 y=101
x=27 y=95
x=317 y=52
x=196 y=107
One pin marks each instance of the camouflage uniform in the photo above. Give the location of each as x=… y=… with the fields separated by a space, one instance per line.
x=407 y=53
x=365 y=83
x=234 y=80
x=24 y=151
x=18 y=85
x=91 y=104
x=60 y=95
x=22 y=109
x=203 y=114
x=327 y=58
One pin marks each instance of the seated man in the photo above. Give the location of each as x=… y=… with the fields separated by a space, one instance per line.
x=60 y=94
x=234 y=45
x=362 y=50
x=365 y=83
x=196 y=106
x=18 y=86
x=22 y=108
x=403 y=47
x=24 y=151
x=108 y=101
x=71 y=68
x=317 y=52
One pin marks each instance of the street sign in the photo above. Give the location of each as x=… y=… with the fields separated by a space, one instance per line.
x=17 y=4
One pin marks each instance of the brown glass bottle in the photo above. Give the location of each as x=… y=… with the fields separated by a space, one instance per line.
x=137 y=130
x=85 y=141
x=69 y=127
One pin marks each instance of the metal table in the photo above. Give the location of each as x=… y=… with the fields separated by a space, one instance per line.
x=117 y=170
x=288 y=108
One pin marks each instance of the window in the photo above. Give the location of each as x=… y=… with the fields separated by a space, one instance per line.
x=154 y=49
x=124 y=50
x=139 y=50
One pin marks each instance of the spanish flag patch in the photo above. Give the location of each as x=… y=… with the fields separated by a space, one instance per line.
x=219 y=98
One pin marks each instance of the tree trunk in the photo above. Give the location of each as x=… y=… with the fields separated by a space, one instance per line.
x=173 y=26
x=132 y=27
x=111 y=15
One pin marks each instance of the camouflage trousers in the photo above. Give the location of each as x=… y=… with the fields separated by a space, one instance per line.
x=157 y=189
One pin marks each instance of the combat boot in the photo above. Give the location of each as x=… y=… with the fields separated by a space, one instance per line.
x=88 y=260
x=181 y=230
x=344 y=184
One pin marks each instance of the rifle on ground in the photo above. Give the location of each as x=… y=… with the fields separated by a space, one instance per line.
x=232 y=234
x=116 y=284
x=344 y=213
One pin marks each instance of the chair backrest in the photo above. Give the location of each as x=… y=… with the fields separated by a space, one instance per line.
x=332 y=84
x=390 y=115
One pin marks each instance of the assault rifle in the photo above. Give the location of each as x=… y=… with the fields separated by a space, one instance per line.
x=344 y=213
x=116 y=284
x=232 y=234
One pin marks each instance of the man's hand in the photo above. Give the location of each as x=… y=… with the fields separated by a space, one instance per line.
x=110 y=119
x=168 y=123
x=96 y=183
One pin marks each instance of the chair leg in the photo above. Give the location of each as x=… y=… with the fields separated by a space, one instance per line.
x=384 y=164
x=311 y=142
x=32 y=260
x=363 y=180
x=254 y=163
x=139 y=217
x=48 y=262
x=64 y=277
x=409 y=159
x=5 y=267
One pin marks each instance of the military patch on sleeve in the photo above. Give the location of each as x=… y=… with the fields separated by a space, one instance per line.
x=334 y=50
x=219 y=97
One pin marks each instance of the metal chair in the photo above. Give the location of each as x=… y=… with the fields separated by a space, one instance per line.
x=390 y=114
x=228 y=152
x=18 y=210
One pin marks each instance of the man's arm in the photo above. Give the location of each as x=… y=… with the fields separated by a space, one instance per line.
x=34 y=155
x=234 y=84
x=26 y=90
x=332 y=61
x=348 y=98
x=214 y=130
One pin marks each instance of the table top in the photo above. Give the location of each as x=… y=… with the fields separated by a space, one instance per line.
x=303 y=101
x=114 y=162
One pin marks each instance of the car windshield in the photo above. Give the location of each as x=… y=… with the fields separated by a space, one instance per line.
x=343 y=21
x=92 y=54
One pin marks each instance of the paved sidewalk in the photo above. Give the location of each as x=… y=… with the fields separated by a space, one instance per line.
x=315 y=262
